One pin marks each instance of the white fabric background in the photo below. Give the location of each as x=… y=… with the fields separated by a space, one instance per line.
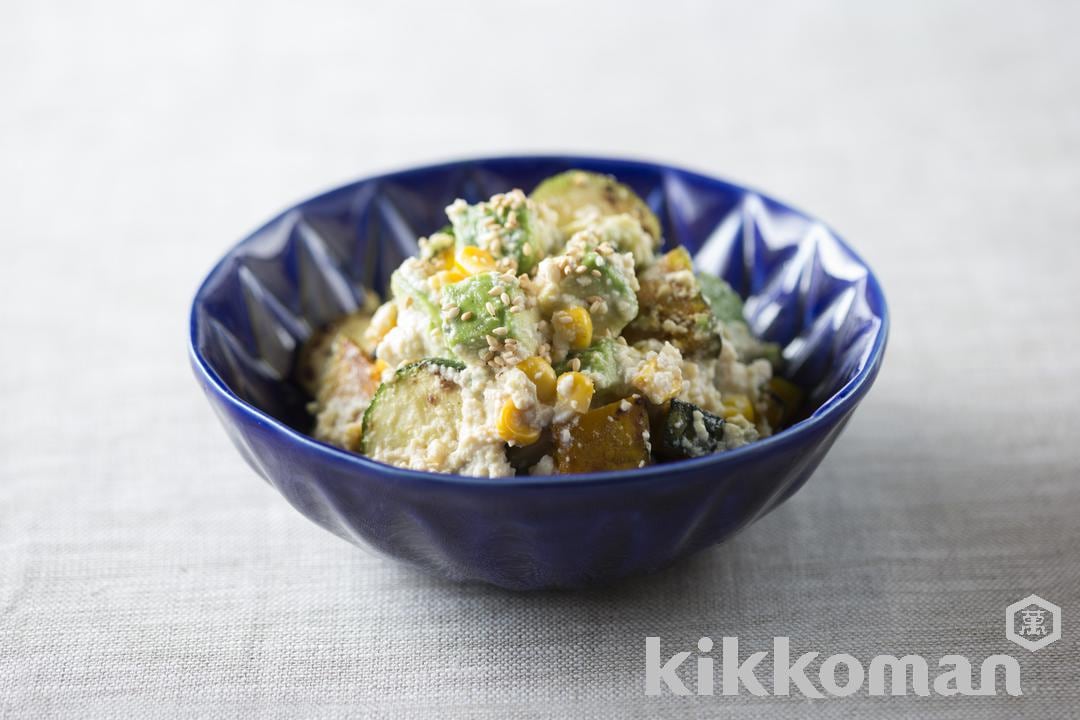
x=144 y=570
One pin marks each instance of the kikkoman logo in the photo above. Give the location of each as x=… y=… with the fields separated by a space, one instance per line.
x=1033 y=623
x=838 y=675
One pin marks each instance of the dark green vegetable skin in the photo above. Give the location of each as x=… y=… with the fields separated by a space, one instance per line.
x=679 y=439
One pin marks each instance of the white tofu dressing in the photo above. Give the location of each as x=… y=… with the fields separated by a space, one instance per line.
x=596 y=270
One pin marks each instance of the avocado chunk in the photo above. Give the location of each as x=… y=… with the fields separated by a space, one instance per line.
x=601 y=364
x=477 y=317
x=409 y=283
x=724 y=302
x=601 y=280
x=579 y=198
x=727 y=308
x=509 y=226
x=624 y=233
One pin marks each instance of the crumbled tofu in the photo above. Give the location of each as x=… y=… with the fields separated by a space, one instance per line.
x=606 y=264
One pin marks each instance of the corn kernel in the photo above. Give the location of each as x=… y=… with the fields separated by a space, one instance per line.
x=472 y=260
x=738 y=404
x=575 y=390
x=577 y=331
x=383 y=321
x=446 y=277
x=513 y=426
x=377 y=369
x=657 y=391
x=445 y=259
x=541 y=374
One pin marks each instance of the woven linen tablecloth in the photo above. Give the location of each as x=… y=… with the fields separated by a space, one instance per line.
x=146 y=571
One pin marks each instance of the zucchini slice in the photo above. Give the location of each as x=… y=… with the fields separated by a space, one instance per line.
x=346 y=385
x=421 y=404
x=577 y=191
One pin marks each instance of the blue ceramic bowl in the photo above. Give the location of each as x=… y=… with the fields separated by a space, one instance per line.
x=804 y=287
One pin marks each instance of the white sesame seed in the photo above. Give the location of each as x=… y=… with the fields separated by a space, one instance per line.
x=500 y=331
x=467 y=315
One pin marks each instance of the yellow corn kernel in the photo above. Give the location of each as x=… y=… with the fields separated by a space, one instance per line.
x=377 y=369
x=513 y=427
x=445 y=259
x=446 y=277
x=738 y=404
x=782 y=401
x=575 y=390
x=574 y=326
x=383 y=321
x=657 y=393
x=472 y=260
x=539 y=371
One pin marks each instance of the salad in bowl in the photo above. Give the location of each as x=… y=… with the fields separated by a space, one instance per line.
x=546 y=333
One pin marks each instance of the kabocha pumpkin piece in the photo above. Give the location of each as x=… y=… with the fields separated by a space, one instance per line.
x=611 y=437
x=687 y=431
x=783 y=400
x=672 y=307
x=349 y=381
x=580 y=198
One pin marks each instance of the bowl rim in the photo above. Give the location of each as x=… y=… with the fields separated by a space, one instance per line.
x=836 y=405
